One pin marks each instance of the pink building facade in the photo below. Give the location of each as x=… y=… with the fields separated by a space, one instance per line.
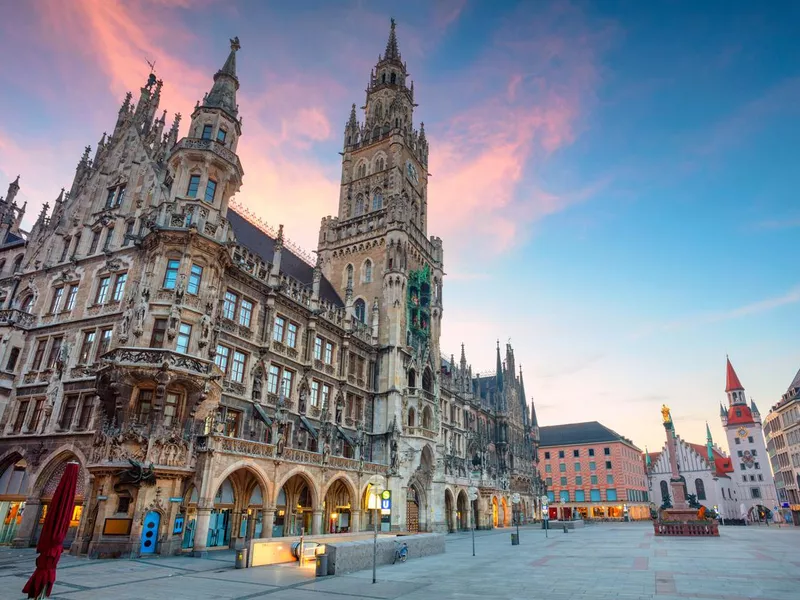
x=592 y=470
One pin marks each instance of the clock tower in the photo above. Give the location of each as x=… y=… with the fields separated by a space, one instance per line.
x=377 y=253
x=748 y=450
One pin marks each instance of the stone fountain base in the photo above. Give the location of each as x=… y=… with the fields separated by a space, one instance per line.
x=684 y=522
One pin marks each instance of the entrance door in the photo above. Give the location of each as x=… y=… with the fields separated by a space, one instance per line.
x=412 y=511
x=150 y=532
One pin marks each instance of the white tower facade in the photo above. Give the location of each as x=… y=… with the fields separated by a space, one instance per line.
x=748 y=450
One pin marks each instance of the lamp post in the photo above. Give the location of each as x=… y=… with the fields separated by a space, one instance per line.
x=473 y=494
x=515 y=499
x=374 y=503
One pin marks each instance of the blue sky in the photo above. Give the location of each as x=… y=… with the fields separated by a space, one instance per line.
x=615 y=182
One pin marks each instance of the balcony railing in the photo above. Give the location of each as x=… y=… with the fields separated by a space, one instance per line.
x=157 y=357
x=240 y=447
x=14 y=316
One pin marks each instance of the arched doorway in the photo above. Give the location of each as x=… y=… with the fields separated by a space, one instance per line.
x=412 y=510
x=463 y=510
x=220 y=521
x=294 y=507
x=190 y=502
x=494 y=511
x=338 y=509
x=504 y=514
x=13 y=489
x=448 y=511
x=51 y=476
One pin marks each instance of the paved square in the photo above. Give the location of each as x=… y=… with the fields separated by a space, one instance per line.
x=600 y=562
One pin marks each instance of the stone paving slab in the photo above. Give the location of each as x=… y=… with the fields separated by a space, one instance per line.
x=599 y=562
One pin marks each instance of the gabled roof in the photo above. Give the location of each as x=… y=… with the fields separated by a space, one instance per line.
x=263 y=245
x=578 y=433
x=722 y=464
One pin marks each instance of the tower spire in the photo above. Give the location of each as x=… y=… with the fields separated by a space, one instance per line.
x=499 y=369
x=392 y=51
x=732 y=380
x=709 y=445
x=223 y=92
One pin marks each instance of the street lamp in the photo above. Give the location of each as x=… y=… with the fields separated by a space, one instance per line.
x=374 y=503
x=473 y=495
x=515 y=500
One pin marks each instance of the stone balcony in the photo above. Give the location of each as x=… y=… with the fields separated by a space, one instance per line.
x=220 y=444
x=157 y=357
x=14 y=316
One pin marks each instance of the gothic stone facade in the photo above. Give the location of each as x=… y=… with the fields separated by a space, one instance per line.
x=213 y=384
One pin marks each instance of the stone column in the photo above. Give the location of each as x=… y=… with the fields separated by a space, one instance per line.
x=201 y=531
x=29 y=519
x=355 y=520
x=268 y=521
x=453 y=521
x=251 y=526
x=316 y=522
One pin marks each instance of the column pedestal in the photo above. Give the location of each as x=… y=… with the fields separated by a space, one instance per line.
x=29 y=518
x=316 y=523
x=201 y=532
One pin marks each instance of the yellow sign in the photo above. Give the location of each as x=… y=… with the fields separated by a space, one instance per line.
x=386 y=494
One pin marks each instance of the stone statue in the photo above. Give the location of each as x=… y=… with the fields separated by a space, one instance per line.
x=205 y=330
x=665 y=414
x=303 y=395
x=257 y=382
x=281 y=443
x=140 y=314
x=124 y=324
x=395 y=458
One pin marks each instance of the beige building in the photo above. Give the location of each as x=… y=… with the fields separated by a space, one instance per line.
x=213 y=383
x=782 y=432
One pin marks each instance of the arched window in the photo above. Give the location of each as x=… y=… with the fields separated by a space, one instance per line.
x=27 y=303
x=377 y=201
x=378 y=111
x=362 y=170
x=383 y=77
x=2 y=265
x=412 y=378
x=700 y=488
x=17 y=264
x=394 y=77
x=664 y=491
x=427 y=381
x=361 y=310
x=411 y=417
x=367 y=271
x=427 y=418
x=380 y=164
x=349 y=276
x=359 y=209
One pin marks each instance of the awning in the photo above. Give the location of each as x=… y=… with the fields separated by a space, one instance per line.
x=345 y=437
x=261 y=414
x=307 y=424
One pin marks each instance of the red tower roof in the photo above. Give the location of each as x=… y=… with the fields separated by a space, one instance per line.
x=732 y=380
x=740 y=414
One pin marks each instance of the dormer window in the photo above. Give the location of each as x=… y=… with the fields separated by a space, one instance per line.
x=221 y=135
x=206 y=135
x=115 y=196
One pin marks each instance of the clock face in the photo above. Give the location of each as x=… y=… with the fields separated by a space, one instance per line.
x=742 y=432
x=412 y=172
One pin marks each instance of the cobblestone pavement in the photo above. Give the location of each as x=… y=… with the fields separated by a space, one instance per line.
x=600 y=562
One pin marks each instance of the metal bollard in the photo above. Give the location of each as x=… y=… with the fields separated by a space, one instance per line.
x=565 y=528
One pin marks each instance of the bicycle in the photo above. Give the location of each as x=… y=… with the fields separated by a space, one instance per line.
x=400 y=552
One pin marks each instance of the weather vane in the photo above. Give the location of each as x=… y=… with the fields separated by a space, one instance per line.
x=152 y=65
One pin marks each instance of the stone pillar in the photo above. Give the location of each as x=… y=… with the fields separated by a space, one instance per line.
x=201 y=531
x=355 y=520
x=251 y=525
x=316 y=522
x=453 y=521
x=29 y=519
x=268 y=521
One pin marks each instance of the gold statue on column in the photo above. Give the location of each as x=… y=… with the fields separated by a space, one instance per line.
x=665 y=413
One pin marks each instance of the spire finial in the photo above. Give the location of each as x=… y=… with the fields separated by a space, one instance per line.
x=235 y=45
x=391 y=44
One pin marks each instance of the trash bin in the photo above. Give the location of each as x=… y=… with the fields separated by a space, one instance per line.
x=514 y=539
x=566 y=529
x=322 y=565
x=241 y=558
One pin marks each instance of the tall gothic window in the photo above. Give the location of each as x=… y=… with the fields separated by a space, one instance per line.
x=377 y=200
x=349 y=276
x=359 y=210
x=361 y=310
x=367 y=271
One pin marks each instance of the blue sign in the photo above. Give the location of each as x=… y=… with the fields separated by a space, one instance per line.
x=386 y=504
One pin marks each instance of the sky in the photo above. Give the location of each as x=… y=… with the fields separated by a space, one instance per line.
x=615 y=182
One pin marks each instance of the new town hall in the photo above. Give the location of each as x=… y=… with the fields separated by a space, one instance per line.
x=213 y=384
